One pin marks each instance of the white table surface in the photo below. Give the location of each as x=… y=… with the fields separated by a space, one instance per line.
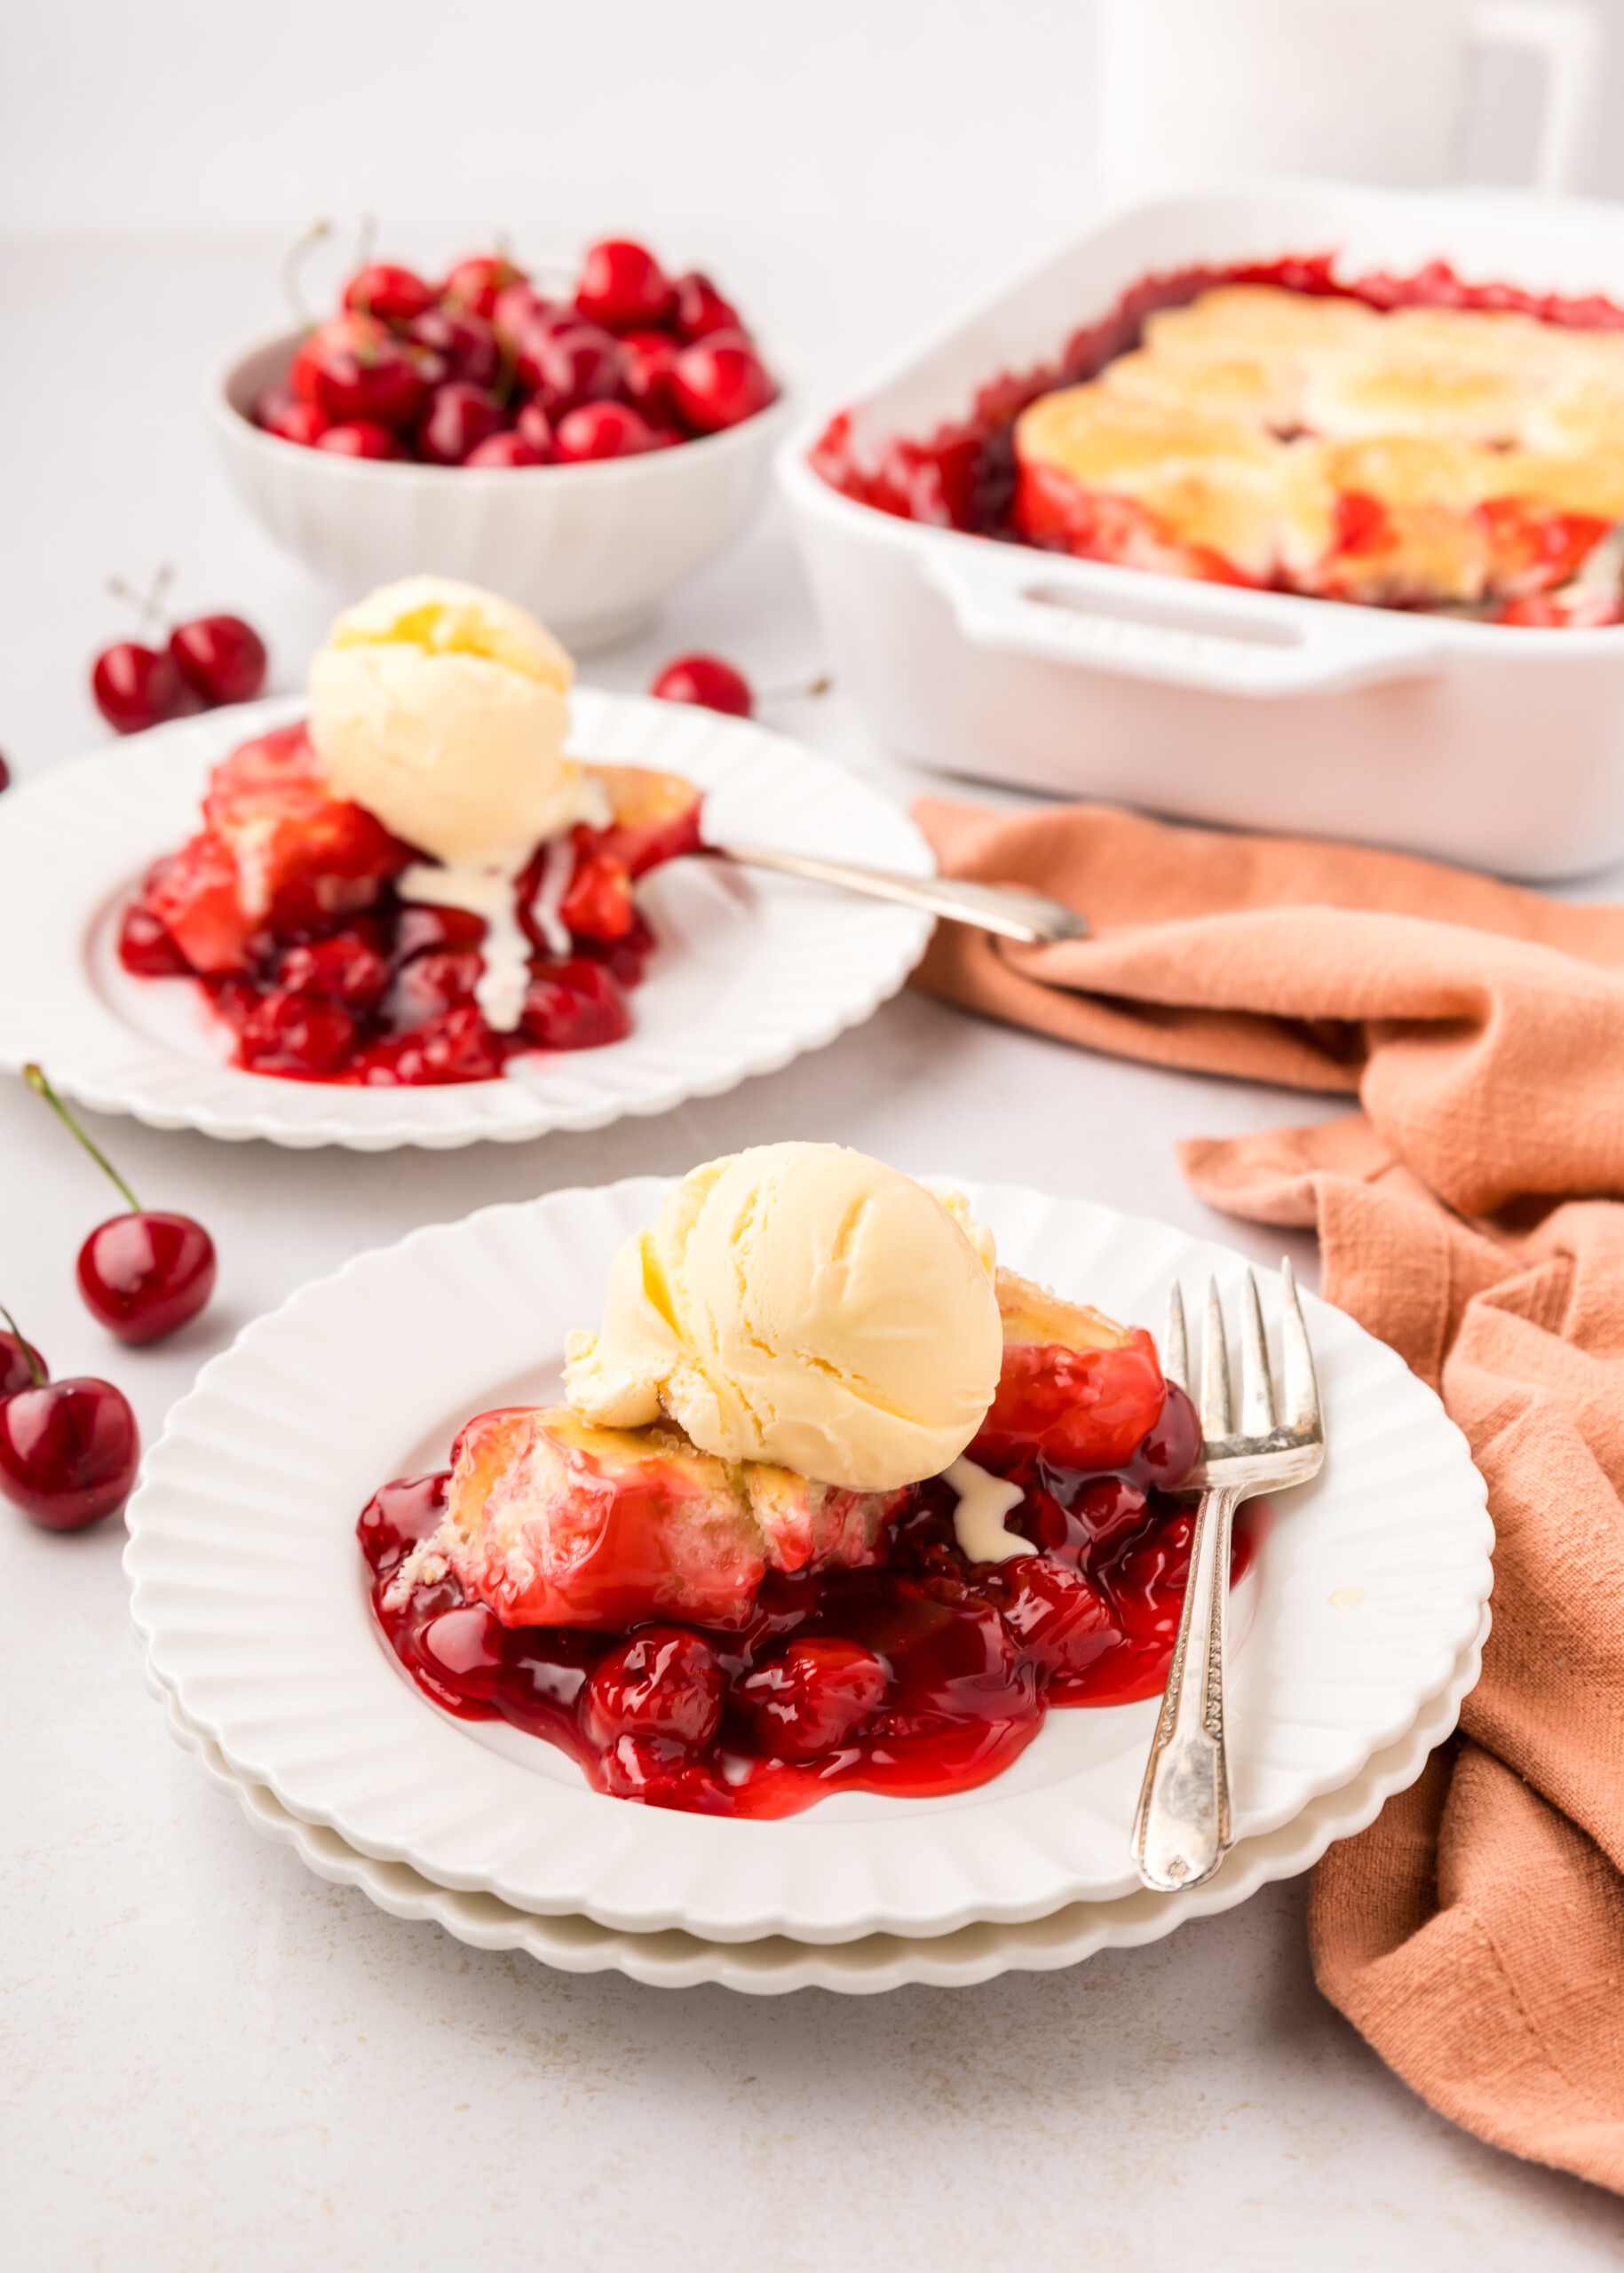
x=212 y=2059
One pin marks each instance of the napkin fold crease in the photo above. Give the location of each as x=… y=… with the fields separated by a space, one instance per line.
x=1475 y=1932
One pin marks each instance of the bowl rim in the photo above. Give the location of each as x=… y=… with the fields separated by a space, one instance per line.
x=771 y=420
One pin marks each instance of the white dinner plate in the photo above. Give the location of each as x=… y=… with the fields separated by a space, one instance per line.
x=751 y=969
x=251 y=1595
x=775 y=1965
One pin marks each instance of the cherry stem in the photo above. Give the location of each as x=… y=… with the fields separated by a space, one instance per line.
x=293 y=265
x=806 y=693
x=34 y=1075
x=26 y=1347
x=149 y=603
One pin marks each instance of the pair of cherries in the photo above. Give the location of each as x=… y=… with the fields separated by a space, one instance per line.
x=713 y=684
x=70 y=1449
x=206 y=661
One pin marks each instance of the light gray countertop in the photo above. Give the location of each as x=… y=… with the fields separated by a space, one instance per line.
x=213 y=2059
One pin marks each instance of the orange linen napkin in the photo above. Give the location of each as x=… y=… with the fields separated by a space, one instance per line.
x=1475 y=1933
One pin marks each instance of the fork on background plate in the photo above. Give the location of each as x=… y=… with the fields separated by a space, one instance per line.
x=1182 y=1828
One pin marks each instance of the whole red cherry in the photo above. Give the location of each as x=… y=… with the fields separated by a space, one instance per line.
x=68 y=1451
x=508 y=448
x=664 y=1682
x=356 y=370
x=143 y=1274
x=649 y=359
x=603 y=430
x=708 y=681
x=720 y=381
x=222 y=657
x=699 y=309
x=394 y=295
x=464 y=343
x=289 y=416
x=518 y=304
x=5 y=774
x=459 y=418
x=533 y=425
x=136 y=688
x=623 y=287
x=576 y=363
x=358 y=438
x=812 y=1697
x=478 y=282
x=22 y=1366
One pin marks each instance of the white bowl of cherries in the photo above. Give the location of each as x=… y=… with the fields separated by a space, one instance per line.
x=580 y=450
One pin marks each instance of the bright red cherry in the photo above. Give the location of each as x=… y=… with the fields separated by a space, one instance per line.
x=477 y=283
x=68 y=1451
x=604 y=430
x=708 y=682
x=222 y=657
x=463 y=344
x=623 y=287
x=533 y=425
x=507 y=448
x=142 y=1275
x=649 y=359
x=356 y=370
x=698 y=308
x=665 y=1681
x=393 y=295
x=459 y=418
x=361 y=437
x=518 y=304
x=563 y=367
x=136 y=688
x=289 y=416
x=720 y=381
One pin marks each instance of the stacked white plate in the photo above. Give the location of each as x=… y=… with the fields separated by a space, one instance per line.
x=1362 y=1625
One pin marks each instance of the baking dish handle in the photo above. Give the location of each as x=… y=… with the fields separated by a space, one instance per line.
x=1043 y=605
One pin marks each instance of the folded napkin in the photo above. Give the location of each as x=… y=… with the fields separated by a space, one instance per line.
x=1475 y=1932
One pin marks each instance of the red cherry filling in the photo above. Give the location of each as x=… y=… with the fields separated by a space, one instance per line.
x=811 y=1699
x=665 y=1681
x=576 y=1005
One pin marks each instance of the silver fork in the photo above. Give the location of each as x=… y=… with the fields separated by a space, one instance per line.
x=1181 y=1830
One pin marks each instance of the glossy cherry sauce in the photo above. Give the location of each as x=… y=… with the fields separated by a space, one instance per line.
x=975 y=1654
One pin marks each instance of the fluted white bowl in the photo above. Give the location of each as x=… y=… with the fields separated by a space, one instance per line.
x=593 y=548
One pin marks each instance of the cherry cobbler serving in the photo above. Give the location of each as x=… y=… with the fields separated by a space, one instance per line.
x=1403 y=441
x=416 y=885
x=834 y=1503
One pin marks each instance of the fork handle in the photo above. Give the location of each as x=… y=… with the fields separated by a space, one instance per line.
x=1181 y=1830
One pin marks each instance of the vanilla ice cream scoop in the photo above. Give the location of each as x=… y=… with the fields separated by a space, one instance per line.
x=805 y=1305
x=442 y=710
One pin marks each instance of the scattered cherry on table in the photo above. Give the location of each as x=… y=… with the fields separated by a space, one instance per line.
x=70 y=1449
x=143 y=1274
x=207 y=661
x=708 y=681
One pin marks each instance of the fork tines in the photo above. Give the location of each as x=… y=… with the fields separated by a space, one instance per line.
x=1259 y=1412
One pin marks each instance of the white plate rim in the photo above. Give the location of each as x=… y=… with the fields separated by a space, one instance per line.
x=288 y=1678
x=75 y=838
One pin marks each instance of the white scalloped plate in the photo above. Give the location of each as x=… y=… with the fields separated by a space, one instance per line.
x=774 y=1965
x=751 y=969
x=249 y=1592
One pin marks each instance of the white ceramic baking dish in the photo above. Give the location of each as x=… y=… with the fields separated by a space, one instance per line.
x=1500 y=747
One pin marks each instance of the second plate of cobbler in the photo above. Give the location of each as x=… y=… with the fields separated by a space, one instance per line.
x=793 y=1549
x=448 y=896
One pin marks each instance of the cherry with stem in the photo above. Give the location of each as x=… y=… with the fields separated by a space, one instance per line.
x=70 y=1449
x=143 y=1274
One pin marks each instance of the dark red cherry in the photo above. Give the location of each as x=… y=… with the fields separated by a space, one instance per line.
x=136 y=688
x=393 y=295
x=1060 y=1622
x=534 y=426
x=720 y=381
x=145 y=946
x=708 y=681
x=1172 y=1445
x=5 y=774
x=222 y=657
x=464 y=343
x=69 y=1451
x=344 y=969
x=699 y=309
x=518 y=304
x=358 y=438
x=146 y=1275
x=22 y=1366
x=508 y=448
x=811 y=1699
x=623 y=287
x=294 y=1034
x=358 y=372
x=562 y=367
x=576 y=1005
x=290 y=417
x=603 y=430
x=478 y=282
x=459 y=418
x=665 y=1681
